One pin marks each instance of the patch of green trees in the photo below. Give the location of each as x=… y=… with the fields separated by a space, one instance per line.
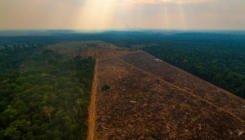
x=43 y=94
x=105 y=87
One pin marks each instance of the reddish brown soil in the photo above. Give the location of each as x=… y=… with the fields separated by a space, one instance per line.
x=92 y=107
x=188 y=82
x=95 y=49
x=150 y=96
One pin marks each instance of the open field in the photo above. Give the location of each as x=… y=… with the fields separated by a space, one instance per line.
x=150 y=99
x=188 y=83
x=95 y=49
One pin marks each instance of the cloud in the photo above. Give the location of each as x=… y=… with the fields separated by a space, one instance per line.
x=167 y=1
x=122 y=14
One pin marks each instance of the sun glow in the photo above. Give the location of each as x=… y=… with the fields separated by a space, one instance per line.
x=121 y=14
x=129 y=14
x=182 y=17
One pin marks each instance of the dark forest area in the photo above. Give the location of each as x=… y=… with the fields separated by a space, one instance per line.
x=43 y=94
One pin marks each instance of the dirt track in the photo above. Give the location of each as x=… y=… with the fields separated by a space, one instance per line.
x=92 y=107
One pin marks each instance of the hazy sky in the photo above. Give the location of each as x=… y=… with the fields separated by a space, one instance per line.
x=122 y=14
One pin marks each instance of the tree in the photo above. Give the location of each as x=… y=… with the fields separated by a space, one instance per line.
x=12 y=133
x=48 y=111
x=105 y=87
x=9 y=114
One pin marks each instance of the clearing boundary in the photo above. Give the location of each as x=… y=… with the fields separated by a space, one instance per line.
x=143 y=104
x=92 y=107
x=179 y=88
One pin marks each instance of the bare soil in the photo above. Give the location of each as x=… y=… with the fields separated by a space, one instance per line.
x=151 y=99
x=95 y=49
x=92 y=107
x=188 y=82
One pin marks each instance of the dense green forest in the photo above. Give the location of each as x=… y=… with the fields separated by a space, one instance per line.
x=218 y=59
x=43 y=94
x=120 y=38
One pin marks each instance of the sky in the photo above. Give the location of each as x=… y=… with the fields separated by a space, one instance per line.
x=122 y=14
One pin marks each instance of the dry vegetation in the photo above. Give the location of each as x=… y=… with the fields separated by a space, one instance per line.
x=151 y=99
x=188 y=82
x=95 y=49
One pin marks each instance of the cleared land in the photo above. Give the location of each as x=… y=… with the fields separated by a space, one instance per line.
x=92 y=107
x=95 y=49
x=150 y=99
